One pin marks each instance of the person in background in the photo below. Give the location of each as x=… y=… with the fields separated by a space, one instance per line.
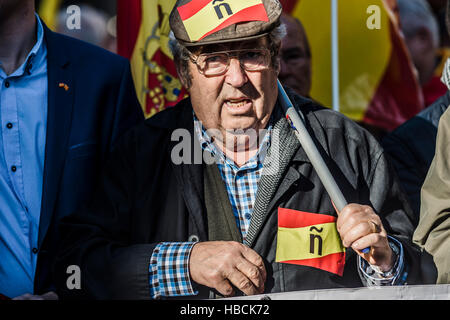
x=422 y=37
x=433 y=231
x=295 y=57
x=411 y=148
x=197 y=201
x=63 y=106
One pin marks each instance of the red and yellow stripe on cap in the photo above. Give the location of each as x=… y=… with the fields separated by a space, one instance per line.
x=309 y=239
x=204 y=17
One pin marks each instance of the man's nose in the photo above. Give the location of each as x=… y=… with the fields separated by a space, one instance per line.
x=236 y=75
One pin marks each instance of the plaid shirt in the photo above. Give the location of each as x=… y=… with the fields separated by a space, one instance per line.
x=169 y=272
x=169 y=263
x=241 y=182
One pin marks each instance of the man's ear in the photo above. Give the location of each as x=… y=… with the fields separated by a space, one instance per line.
x=182 y=77
x=276 y=53
x=278 y=69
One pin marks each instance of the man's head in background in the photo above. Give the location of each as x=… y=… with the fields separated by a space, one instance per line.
x=421 y=30
x=295 y=57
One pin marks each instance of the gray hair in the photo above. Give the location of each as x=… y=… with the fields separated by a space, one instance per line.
x=181 y=54
x=416 y=14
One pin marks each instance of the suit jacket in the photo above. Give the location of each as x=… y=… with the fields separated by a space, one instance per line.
x=91 y=103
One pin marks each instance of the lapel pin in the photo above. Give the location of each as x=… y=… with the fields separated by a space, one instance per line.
x=65 y=86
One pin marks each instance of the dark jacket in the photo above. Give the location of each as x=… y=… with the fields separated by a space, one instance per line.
x=144 y=198
x=411 y=149
x=84 y=122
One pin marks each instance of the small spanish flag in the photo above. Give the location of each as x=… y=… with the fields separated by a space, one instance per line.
x=309 y=239
x=204 y=17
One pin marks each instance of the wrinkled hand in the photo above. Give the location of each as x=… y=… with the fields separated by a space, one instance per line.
x=218 y=264
x=47 y=296
x=359 y=228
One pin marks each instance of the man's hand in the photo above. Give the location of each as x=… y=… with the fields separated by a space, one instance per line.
x=359 y=228
x=47 y=296
x=218 y=264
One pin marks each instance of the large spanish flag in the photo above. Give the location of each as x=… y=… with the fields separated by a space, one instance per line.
x=143 y=37
x=377 y=82
x=309 y=239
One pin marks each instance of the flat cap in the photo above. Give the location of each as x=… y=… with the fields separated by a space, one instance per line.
x=200 y=22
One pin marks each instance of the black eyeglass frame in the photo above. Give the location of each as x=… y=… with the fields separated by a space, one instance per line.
x=230 y=54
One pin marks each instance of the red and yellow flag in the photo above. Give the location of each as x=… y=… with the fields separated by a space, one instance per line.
x=143 y=37
x=377 y=81
x=309 y=239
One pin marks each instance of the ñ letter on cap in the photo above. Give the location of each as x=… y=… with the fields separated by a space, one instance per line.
x=204 y=17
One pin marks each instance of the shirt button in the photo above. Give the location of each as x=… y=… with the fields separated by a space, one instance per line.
x=13 y=168
x=9 y=125
x=35 y=250
x=193 y=238
x=7 y=84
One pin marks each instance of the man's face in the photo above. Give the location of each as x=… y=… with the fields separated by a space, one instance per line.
x=295 y=58
x=238 y=99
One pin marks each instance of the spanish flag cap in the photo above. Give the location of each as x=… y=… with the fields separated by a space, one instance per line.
x=201 y=22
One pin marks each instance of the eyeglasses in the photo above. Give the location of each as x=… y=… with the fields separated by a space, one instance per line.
x=217 y=63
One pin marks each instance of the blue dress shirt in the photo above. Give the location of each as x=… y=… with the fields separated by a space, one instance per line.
x=23 y=120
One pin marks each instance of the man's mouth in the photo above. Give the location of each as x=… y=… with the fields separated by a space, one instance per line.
x=238 y=103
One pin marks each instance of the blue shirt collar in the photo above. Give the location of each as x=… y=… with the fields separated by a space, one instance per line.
x=35 y=57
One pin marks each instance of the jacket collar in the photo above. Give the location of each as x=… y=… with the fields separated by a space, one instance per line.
x=60 y=103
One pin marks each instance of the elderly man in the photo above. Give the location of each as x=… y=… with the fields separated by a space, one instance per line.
x=216 y=195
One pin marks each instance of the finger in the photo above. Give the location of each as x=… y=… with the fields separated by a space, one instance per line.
x=349 y=212
x=241 y=282
x=225 y=288
x=356 y=232
x=346 y=224
x=50 y=296
x=253 y=273
x=371 y=240
x=256 y=260
x=355 y=215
